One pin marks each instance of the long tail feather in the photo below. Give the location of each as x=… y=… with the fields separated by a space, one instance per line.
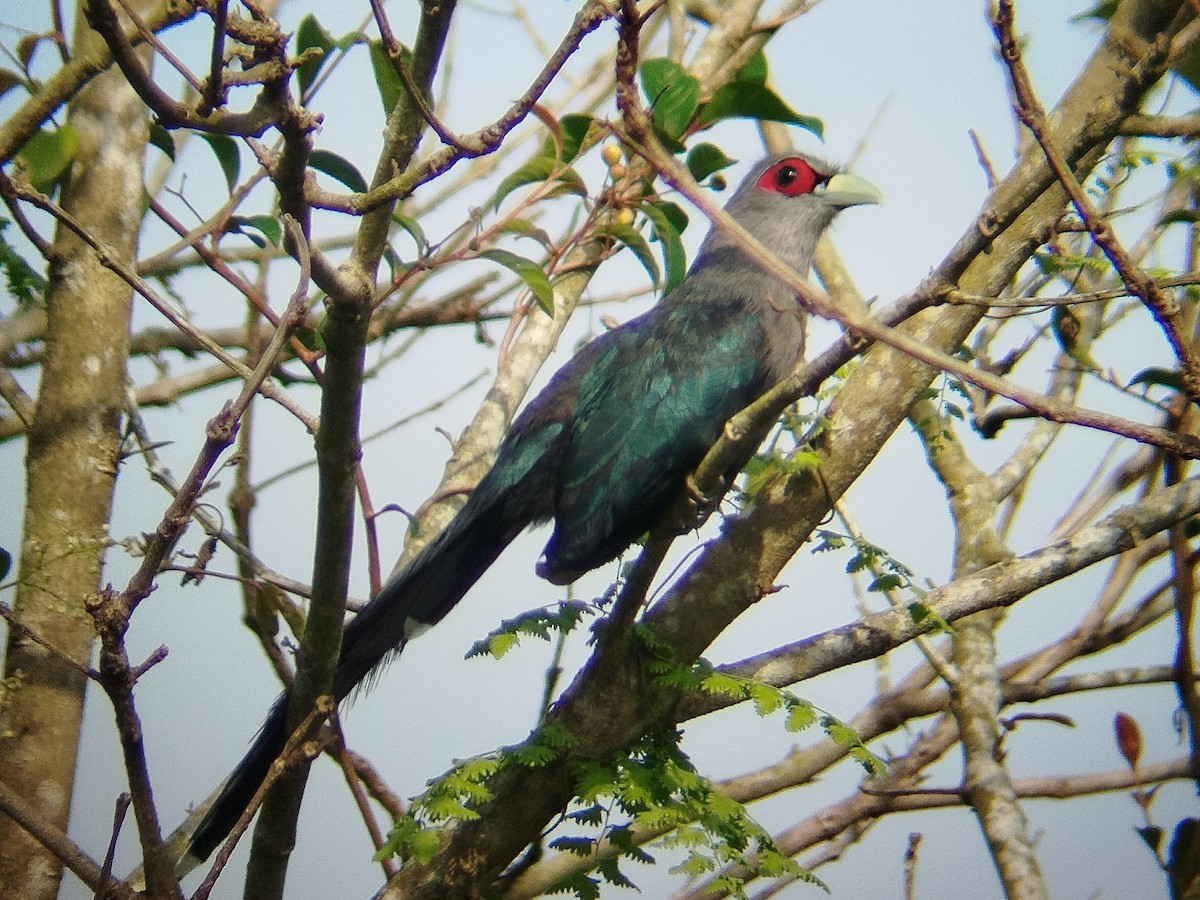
x=416 y=597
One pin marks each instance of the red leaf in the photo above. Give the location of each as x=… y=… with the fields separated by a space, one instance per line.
x=1129 y=738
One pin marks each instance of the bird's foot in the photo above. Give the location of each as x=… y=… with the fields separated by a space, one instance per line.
x=702 y=504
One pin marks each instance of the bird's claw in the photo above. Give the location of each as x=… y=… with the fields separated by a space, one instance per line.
x=702 y=503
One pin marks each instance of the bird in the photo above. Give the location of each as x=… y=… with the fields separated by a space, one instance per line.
x=608 y=444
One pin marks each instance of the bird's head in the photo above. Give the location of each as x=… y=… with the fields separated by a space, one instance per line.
x=787 y=201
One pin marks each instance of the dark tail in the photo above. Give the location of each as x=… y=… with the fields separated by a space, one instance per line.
x=418 y=596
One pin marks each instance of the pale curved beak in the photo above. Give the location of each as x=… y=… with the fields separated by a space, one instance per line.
x=844 y=189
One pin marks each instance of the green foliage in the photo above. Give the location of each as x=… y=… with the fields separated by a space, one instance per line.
x=705 y=159
x=386 y=80
x=545 y=745
x=571 y=136
x=767 y=699
x=458 y=795
x=666 y=217
x=674 y=98
x=338 y=168
x=1168 y=378
x=313 y=44
x=266 y=226
x=537 y=170
x=889 y=573
x=638 y=245
x=763 y=469
x=747 y=100
x=673 y=95
x=410 y=840
x=655 y=786
x=225 y=149
x=529 y=272
x=539 y=623
x=47 y=154
x=5 y=563
x=921 y=612
x=26 y=285
x=161 y=138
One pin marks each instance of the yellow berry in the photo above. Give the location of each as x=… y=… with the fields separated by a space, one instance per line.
x=625 y=216
x=617 y=172
x=611 y=154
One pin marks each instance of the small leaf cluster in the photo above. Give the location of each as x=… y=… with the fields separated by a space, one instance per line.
x=890 y=574
x=655 y=787
x=25 y=284
x=767 y=699
x=678 y=110
x=539 y=623
x=457 y=795
x=763 y=469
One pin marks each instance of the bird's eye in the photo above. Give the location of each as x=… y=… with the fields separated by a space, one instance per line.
x=790 y=177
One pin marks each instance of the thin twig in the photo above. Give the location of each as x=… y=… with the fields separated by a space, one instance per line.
x=1164 y=308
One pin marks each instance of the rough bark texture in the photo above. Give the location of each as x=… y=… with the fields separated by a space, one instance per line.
x=70 y=470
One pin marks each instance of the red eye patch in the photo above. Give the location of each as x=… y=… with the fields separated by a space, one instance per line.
x=790 y=177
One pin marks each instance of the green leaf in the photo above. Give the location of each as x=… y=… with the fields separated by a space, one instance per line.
x=582 y=885
x=529 y=272
x=8 y=80
x=423 y=845
x=25 y=283
x=410 y=840
x=610 y=872
x=1185 y=216
x=755 y=69
x=800 y=716
x=225 y=149
x=840 y=734
x=580 y=846
x=673 y=95
x=766 y=699
x=389 y=83
x=746 y=100
x=444 y=807
x=339 y=168
x=1168 y=378
x=632 y=238
x=47 y=154
x=722 y=685
x=667 y=235
x=534 y=756
x=269 y=227
x=705 y=159
x=5 y=563
x=312 y=338
x=576 y=133
x=589 y=815
x=311 y=35
x=1103 y=11
x=885 y=583
x=538 y=170
x=415 y=231
x=868 y=760
x=920 y=612
x=497 y=646
x=161 y=138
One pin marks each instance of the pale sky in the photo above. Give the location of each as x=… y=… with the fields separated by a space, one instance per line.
x=906 y=79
